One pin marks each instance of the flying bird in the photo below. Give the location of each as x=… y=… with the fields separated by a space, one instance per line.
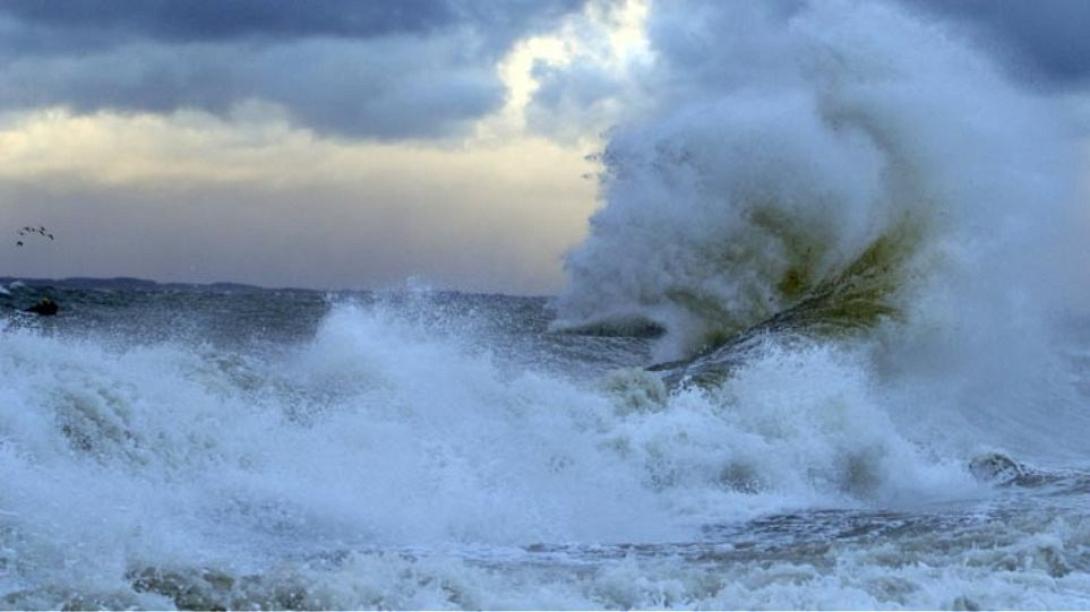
x=28 y=230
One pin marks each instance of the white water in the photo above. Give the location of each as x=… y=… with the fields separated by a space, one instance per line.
x=369 y=425
x=382 y=435
x=840 y=121
x=844 y=122
x=388 y=463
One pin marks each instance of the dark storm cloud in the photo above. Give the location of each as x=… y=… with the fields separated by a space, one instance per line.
x=386 y=87
x=1047 y=41
x=112 y=21
x=185 y=21
x=398 y=68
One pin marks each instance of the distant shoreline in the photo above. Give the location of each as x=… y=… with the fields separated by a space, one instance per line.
x=141 y=284
x=131 y=283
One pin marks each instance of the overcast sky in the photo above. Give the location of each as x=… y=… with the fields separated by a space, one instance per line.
x=339 y=143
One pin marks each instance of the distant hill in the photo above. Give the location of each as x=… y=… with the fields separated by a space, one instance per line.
x=124 y=283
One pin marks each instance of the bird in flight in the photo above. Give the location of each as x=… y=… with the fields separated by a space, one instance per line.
x=28 y=230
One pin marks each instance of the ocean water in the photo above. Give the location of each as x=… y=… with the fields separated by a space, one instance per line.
x=205 y=448
x=826 y=344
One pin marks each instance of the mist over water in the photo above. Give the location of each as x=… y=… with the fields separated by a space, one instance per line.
x=843 y=219
x=784 y=144
x=860 y=161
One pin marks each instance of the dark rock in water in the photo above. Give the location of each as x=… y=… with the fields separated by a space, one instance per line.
x=45 y=307
x=997 y=468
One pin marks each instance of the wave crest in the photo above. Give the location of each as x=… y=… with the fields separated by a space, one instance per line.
x=814 y=172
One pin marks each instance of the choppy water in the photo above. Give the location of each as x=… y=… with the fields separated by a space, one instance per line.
x=856 y=254
x=295 y=449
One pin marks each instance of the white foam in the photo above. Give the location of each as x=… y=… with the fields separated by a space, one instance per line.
x=819 y=129
x=379 y=434
x=384 y=444
x=838 y=134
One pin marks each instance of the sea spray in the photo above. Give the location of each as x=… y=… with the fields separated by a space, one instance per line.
x=786 y=145
x=844 y=180
x=393 y=458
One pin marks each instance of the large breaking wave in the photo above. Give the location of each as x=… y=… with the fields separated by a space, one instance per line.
x=849 y=240
x=134 y=473
x=843 y=151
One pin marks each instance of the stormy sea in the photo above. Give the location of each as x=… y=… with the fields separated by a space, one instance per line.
x=826 y=344
x=228 y=447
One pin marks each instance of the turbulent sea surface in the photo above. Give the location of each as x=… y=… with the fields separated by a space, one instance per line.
x=257 y=448
x=825 y=345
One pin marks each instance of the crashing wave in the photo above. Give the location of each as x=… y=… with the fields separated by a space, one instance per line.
x=843 y=181
x=852 y=301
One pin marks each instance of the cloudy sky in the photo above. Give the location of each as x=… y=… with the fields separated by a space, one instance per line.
x=339 y=143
